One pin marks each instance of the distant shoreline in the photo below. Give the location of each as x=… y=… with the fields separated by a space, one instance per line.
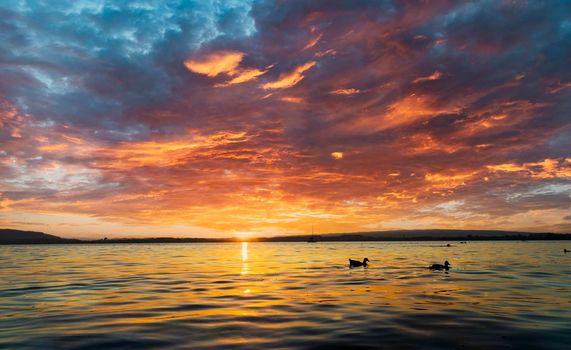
x=15 y=237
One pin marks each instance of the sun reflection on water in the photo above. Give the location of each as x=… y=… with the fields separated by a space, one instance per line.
x=244 y=251
x=244 y=258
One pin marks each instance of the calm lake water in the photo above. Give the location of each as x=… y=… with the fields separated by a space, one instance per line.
x=285 y=296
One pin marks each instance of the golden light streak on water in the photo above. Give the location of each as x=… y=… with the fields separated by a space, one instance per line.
x=244 y=258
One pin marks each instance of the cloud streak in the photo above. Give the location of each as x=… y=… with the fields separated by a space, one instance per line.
x=290 y=78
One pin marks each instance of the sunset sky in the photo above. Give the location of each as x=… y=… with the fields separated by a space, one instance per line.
x=258 y=118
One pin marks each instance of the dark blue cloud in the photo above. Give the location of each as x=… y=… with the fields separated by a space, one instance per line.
x=91 y=63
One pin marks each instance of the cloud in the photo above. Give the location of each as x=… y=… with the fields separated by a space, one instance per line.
x=291 y=78
x=223 y=62
x=292 y=99
x=434 y=76
x=243 y=76
x=337 y=155
x=53 y=147
x=546 y=169
x=216 y=63
x=346 y=92
x=313 y=42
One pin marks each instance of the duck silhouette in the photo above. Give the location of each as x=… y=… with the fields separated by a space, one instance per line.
x=446 y=266
x=357 y=263
x=566 y=250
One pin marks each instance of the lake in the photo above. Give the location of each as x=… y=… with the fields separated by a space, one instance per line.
x=286 y=296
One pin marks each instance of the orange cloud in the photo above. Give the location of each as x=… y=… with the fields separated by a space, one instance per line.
x=224 y=62
x=313 y=42
x=53 y=148
x=216 y=63
x=423 y=143
x=337 y=155
x=330 y=52
x=291 y=78
x=7 y=113
x=349 y=91
x=5 y=203
x=397 y=197
x=160 y=154
x=434 y=76
x=11 y=121
x=242 y=76
x=292 y=99
x=546 y=169
x=558 y=87
x=447 y=181
x=402 y=112
x=75 y=140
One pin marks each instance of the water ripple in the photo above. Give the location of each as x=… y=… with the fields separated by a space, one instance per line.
x=284 y=295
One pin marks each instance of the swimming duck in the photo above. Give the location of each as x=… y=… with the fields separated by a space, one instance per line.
x=566 y=250
x=357 y=263
x=446 y=266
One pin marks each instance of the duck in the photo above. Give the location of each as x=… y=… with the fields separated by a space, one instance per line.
x=357 y=263
x=446 y=266
x=566 y=250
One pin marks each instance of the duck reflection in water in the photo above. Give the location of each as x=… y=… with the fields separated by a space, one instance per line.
x=357 y=263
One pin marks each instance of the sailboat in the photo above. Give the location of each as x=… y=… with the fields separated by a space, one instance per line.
x=312 y=238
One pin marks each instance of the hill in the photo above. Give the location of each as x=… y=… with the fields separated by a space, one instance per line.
x=9 y=236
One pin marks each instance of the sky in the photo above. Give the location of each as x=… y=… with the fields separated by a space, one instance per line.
x=260 y=118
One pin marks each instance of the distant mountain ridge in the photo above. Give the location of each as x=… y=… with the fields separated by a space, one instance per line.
x=424 y=235
x=10 y=236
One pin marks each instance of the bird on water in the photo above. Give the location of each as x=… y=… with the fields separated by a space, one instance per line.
x=357 y=263
x=446 y=266
x=566 y=250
